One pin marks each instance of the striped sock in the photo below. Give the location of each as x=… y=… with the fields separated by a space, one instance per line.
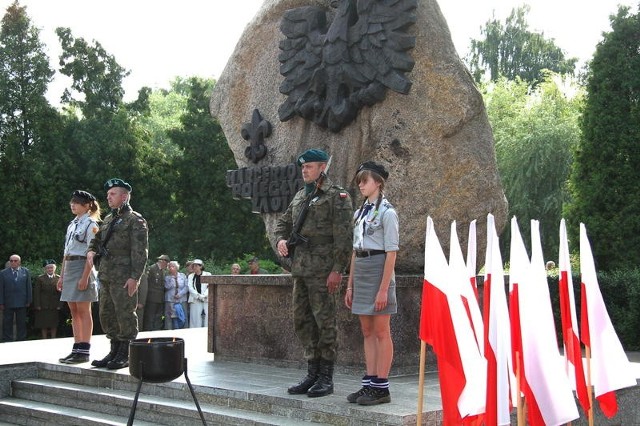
x=83 y=348
x=366 y=381
x=75 y=348
x=380 y=383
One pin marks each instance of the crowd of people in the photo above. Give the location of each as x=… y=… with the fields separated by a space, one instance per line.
x=105 y=263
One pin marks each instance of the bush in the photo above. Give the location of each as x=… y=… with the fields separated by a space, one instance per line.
x=621 y=293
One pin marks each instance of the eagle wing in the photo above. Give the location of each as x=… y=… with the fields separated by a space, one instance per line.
x=300 y=54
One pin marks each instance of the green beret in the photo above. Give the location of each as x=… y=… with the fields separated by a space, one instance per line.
x=116 y=183
x=313 y=155
x=48 y=262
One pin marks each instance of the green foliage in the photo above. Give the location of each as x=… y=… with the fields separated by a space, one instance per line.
x=511 y=51
x=29 y=130
x=96 y=75
x=621 y=294
x=605 y=174
x=535 y=131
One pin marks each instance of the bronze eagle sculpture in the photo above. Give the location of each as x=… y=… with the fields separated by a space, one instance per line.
x=332 y=71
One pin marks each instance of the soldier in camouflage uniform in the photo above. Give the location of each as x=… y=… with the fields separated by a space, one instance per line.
x=317 y=268
x=121 y=245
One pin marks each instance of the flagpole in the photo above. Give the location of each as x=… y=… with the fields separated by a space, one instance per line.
x=423 y=352
x=589 y=387
x=520 y=409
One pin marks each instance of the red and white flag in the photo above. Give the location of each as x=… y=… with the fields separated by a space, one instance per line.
x=497 y=348
x=569 y=321
x=468 y=289
x=472 y=249
x=547 y=389
x=445 y=326
x=610 y=367
x=436 y=326
x=467 y=318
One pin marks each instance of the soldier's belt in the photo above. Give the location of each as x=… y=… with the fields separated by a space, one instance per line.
x=119 y=252
x=319 y=240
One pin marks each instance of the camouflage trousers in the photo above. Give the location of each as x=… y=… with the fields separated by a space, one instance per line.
x=118 y=316
x=314 y=318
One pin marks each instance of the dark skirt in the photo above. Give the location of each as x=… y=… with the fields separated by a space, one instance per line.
x=367 y=274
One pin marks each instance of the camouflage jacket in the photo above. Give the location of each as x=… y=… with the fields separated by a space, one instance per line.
x=127 y=245
x=328 y=226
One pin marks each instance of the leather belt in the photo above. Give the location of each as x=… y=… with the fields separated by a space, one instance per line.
x=369 y=253
x=75 y=257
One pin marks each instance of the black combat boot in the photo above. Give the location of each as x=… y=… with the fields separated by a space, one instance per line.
x=308 y=381
x=101 y=363
x=324 y=384
x=121 y=360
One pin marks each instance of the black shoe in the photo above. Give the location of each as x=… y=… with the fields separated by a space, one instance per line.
x=64 y=360
x=77 y=358
x=308 y=381
x=353 y=397
x=324 y=385
x=121 y=360
x=373 y=396
x=101 y=363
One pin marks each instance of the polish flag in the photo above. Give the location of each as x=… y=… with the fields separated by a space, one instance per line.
x=610 y=367
x=443 y=322
x=570 y=335
x=497 y=335
x=469 y=290
x=436 y=326
x=547 y=389
x=467 y=318
x=472 y=248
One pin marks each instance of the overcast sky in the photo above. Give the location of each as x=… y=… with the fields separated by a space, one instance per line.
x=158 y=40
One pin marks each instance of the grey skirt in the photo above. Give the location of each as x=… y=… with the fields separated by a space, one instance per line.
x=367 y=274
x=72 y=273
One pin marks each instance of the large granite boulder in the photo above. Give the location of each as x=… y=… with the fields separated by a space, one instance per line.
x=436 y=140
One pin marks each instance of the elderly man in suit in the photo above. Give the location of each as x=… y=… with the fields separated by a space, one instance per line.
x=16 y=295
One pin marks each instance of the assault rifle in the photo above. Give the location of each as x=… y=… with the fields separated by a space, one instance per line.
x=296 y=237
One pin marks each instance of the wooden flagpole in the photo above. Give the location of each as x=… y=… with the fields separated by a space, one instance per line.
x=589 y=387
x=520 y=408
x=423 y=356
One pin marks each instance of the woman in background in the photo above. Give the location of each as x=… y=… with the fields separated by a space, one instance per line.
x=198 y=296
x=175 y=296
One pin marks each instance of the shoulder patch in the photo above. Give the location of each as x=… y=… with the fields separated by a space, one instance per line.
x=343 y=194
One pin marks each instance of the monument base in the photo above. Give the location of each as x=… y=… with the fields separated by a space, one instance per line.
x=251 y=320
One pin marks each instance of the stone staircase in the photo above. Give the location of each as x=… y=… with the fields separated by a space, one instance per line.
x=45 y=394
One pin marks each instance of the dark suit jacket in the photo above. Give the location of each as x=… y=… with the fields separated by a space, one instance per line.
x=15 y=293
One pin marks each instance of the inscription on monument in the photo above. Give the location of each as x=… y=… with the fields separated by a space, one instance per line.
x=270 y=188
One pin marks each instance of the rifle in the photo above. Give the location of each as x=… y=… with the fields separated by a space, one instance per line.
x=296 y=237
x=102 y=249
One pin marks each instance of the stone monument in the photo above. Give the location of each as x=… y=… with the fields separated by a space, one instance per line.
x=423 y=117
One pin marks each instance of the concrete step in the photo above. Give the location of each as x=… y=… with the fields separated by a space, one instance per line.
x=177 y=410
x=16 y=411
x=299 y=408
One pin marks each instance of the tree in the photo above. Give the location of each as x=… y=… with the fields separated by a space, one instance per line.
x=29 y=128
x=535 y=132
x=95 y=73
x=209 y=223
x=604 y=178
x=510 y=50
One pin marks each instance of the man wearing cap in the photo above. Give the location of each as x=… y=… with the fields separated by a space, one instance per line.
x=46 y=300
x=254 y=267
x=154 y=304
x=317 y=267
x=16 y=295
x=121 y=244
